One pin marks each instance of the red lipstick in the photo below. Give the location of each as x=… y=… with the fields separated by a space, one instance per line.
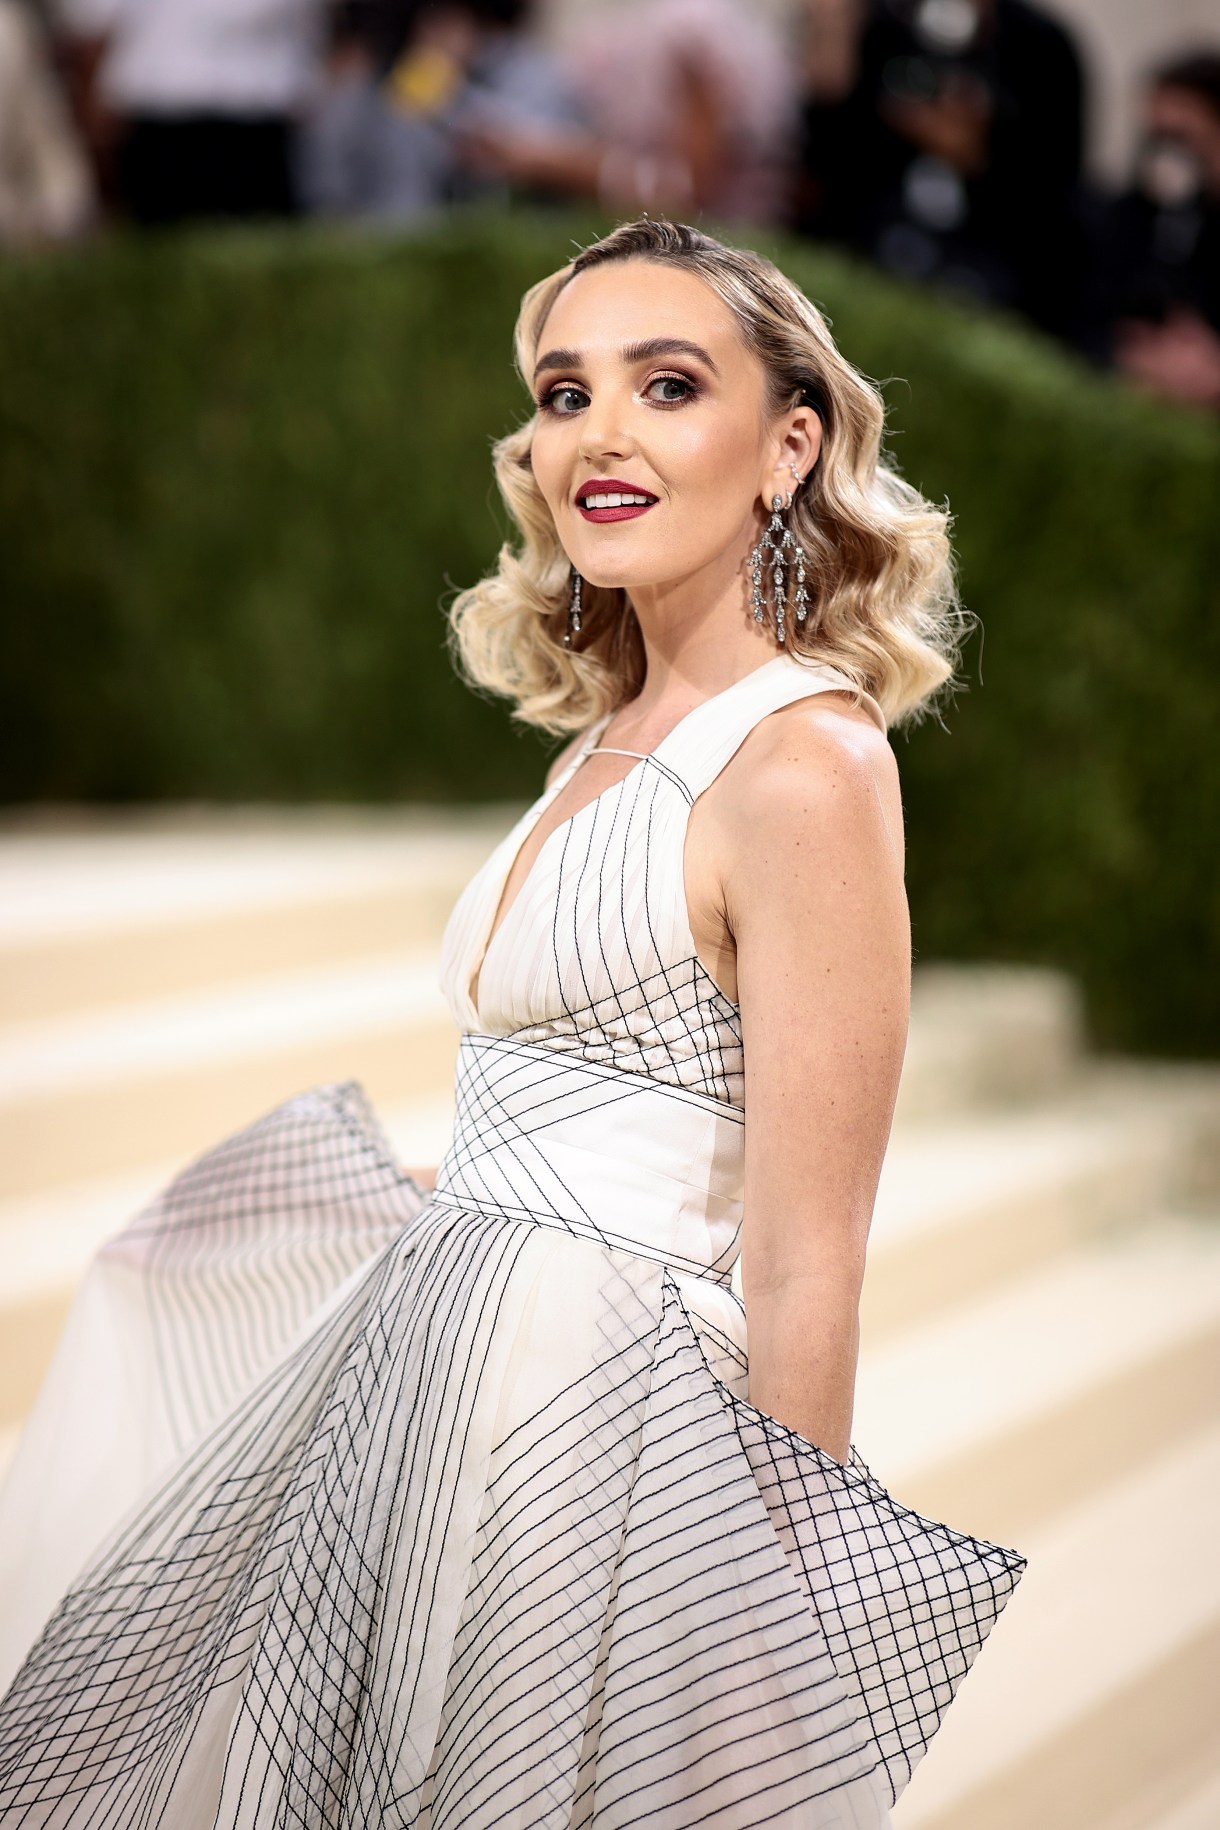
x=638 y=500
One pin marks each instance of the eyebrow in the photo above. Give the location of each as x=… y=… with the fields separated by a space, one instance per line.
x=648 y=351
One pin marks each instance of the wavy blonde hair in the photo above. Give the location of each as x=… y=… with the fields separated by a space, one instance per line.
x=883 y=609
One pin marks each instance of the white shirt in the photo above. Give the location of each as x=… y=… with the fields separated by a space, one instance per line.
x=176 y=57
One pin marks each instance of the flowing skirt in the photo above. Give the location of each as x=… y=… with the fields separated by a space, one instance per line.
x=342 y=1507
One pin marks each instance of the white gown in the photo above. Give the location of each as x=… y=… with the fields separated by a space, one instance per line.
x=353 y=1507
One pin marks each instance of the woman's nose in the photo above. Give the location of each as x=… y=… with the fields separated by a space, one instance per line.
x=605 y=427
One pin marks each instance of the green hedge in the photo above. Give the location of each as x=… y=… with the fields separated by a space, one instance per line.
x=240 y=472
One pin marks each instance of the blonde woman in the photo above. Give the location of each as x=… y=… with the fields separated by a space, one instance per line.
x=454 y=1500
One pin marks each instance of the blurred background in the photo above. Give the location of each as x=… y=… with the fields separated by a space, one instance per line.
x=259 y=266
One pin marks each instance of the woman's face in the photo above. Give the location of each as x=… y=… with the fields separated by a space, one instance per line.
x=653 y=447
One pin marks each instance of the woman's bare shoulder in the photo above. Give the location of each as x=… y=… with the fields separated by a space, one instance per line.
x=822 y=759
x=807 y=811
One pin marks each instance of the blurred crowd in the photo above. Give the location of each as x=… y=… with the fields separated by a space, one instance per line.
x=941 y=139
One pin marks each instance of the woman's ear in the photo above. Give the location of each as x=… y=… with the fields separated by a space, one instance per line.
x=804 y=439
x=800 y=444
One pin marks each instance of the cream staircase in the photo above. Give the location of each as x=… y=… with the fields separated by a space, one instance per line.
x=1041 y=1359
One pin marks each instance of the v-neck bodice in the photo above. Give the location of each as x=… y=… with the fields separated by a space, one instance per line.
x=594 y=953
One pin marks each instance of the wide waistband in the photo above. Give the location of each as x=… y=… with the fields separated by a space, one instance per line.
x=597 y=1152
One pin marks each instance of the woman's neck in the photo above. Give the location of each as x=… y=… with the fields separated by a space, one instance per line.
x=696 y=642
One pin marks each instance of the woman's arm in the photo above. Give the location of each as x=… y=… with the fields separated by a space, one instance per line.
x=815 y=900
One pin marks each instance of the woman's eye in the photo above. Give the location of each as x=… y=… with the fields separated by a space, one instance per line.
x=668 y=390
x=564 y=399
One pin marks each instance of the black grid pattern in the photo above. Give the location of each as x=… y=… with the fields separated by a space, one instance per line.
x=470 y=1524
x=501 y=1160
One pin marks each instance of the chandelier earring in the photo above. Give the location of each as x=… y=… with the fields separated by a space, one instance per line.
x=785 y=555
x=573 y=627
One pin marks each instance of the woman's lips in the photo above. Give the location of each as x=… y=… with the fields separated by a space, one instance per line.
x=613 y=499
x=627 y=511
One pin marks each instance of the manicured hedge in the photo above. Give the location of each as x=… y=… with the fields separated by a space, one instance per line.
x=240 y=472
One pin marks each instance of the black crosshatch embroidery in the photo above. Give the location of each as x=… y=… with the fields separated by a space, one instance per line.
x=379 y=1588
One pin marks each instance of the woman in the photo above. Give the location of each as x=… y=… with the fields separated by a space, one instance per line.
x=450 y=1508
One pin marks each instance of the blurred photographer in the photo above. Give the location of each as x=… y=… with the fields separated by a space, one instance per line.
x=391 y=132
x=189 y=108
x=1158 y=271
x=686 y=105
x=943 y=140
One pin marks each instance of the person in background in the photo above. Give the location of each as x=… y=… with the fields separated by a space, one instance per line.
x=943 y=140
x=380 y=28
x=391 y=133
x=190 y=106
x=46 y=192
x=1157 y=289
x=690 y=106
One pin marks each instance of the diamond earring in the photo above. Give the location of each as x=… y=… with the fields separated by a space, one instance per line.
x=573 y=627
x=785 y=551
